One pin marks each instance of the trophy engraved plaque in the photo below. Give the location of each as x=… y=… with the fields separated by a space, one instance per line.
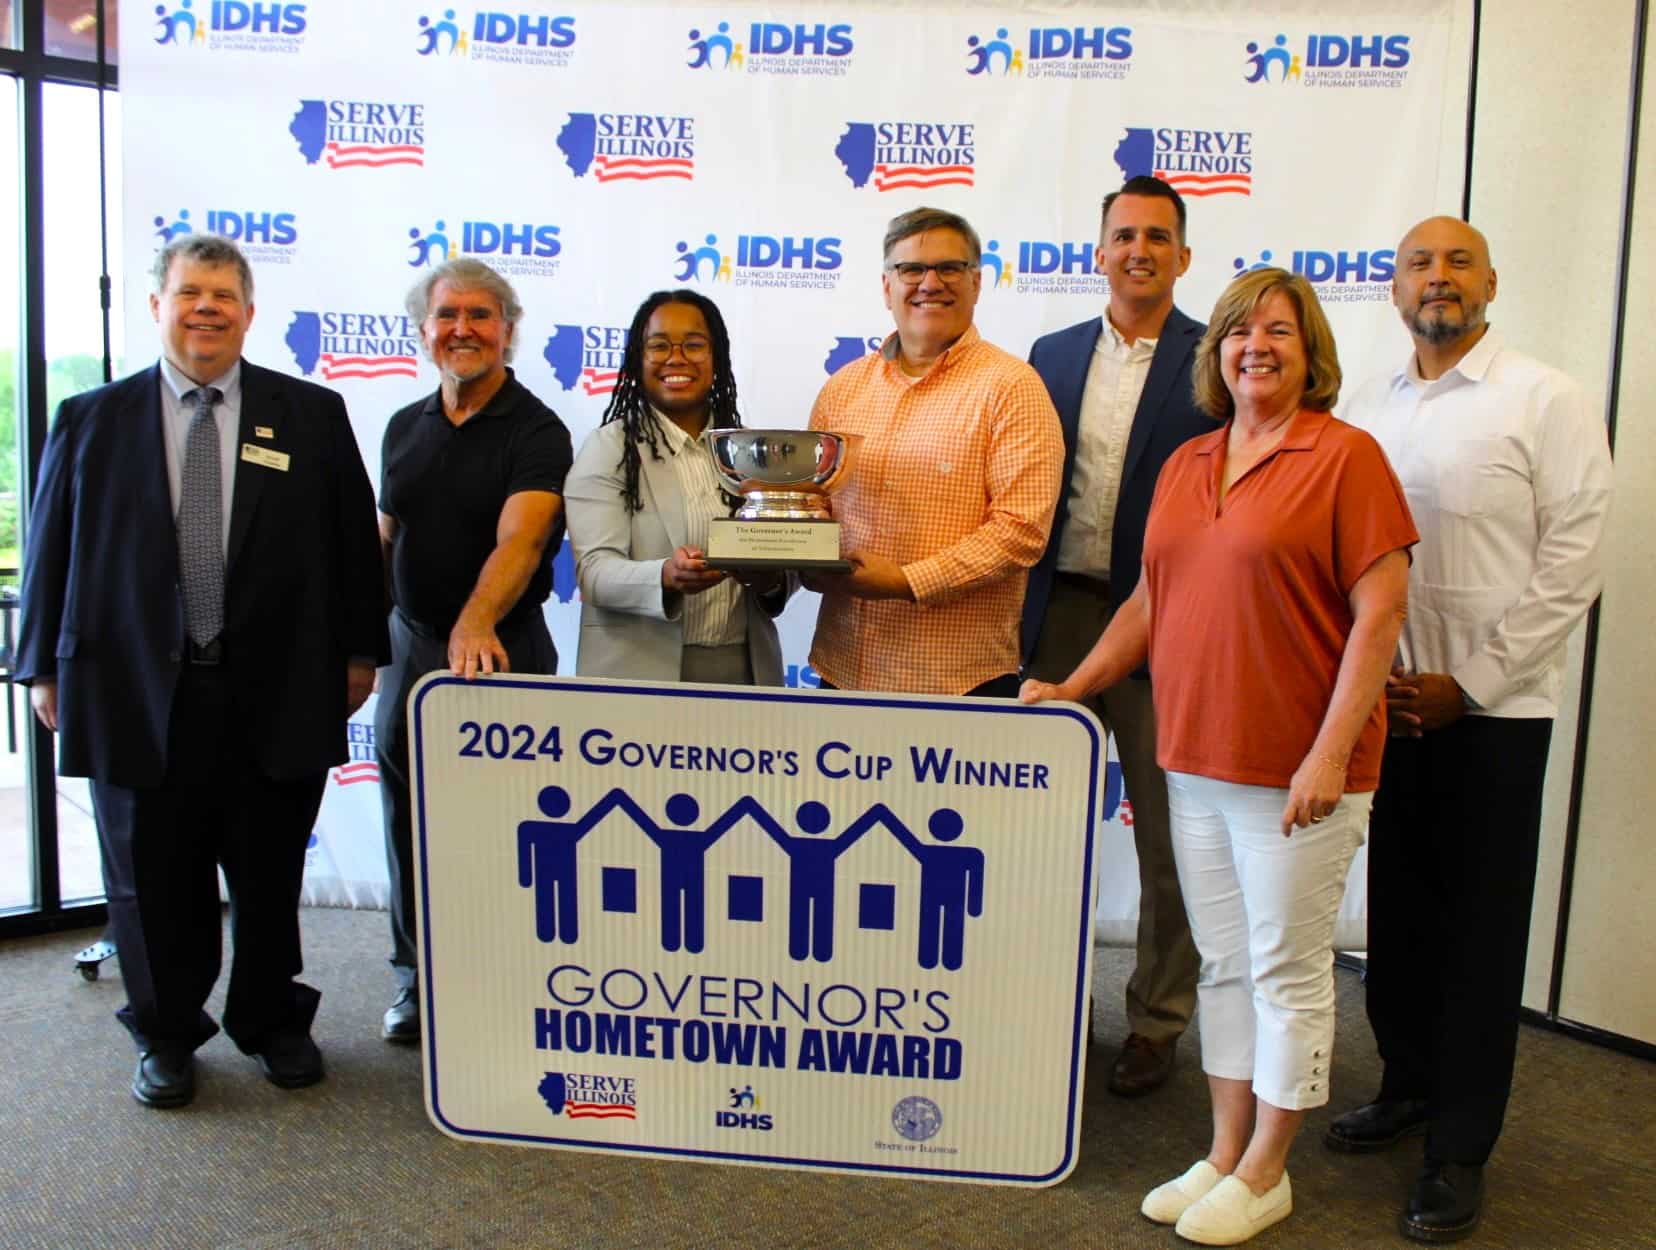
x=784 y=478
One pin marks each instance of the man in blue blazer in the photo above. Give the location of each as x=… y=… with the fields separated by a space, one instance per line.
x=202 y=610
x=1122 y=389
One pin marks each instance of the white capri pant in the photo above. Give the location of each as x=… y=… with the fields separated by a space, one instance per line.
x=1262 y=911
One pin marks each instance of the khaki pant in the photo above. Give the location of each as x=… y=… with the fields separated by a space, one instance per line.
x=1161 y=993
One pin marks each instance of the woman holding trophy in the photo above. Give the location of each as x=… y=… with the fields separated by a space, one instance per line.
x=1275 y=577
x=639 y=501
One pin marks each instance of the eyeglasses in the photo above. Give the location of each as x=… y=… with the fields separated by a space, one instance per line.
x=657 y=350
x=912 y=272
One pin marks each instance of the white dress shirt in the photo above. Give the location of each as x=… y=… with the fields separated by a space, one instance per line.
x=176 y=416
x=713 y=618
x=1508 y=475
x=1109 y=400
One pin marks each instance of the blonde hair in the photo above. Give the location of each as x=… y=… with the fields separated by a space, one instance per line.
x=1237 y=303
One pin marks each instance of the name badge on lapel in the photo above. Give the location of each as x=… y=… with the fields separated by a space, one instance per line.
x=269 y=457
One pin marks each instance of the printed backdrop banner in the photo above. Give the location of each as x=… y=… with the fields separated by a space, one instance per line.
x=836 y=931
x=597 y=152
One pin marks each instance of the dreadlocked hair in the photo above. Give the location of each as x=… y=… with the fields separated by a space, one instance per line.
x=629 y=405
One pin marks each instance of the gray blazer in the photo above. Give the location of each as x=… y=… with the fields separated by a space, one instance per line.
x=632 y=626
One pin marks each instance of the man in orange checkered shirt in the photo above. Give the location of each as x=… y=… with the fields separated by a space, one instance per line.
x=951 y=498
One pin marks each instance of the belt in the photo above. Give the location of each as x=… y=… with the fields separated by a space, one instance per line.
x=1099 y=586
x=204 y=654
x=421 y=630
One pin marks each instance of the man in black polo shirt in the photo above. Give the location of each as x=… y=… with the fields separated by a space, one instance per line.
x=470 y=505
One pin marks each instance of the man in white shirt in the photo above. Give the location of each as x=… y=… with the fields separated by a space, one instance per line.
x=1121 y=385
x=1507 y=473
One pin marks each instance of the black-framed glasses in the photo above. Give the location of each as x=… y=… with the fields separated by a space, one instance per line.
x=694 y=347
x=913 y=272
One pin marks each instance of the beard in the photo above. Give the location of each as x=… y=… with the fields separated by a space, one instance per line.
x=1439 y=326
x=467 y=369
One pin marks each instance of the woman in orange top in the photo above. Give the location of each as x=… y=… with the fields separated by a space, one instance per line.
x=1275 y=579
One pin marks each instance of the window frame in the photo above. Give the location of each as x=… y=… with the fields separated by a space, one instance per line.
x=32 y=69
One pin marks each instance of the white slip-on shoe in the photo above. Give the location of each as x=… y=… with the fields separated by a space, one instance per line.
x=1166 y=1203
x=1231 y=1213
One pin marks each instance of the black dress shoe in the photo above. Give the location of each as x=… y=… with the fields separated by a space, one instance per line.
x=291 y=1061
x=402 y=1017
x=1445 y=1202
x=164 y=1078
x=1376 y=1125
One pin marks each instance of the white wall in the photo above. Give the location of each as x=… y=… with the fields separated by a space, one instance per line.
x=1553 y=100
x=1610 y=960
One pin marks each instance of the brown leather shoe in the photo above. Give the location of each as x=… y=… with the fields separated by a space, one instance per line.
x=1142 y=1065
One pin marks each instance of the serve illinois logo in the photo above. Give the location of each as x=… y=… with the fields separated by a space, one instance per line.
x=588 y=356
x=1192 y=161
x=908 y=155
x=629 y=147
x=371 y=134
x=589 y=1096
x=846 y=349
x=365 y=346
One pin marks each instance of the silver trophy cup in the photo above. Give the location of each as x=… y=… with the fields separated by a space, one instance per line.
x=784 y=478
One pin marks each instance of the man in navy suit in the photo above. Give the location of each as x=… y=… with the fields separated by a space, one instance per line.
x=202 y=610
x=1121 y=385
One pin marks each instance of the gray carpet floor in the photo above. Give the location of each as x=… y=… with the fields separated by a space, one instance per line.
x=354 y=1161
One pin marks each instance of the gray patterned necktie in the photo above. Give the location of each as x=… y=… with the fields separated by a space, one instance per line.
x=201 y=522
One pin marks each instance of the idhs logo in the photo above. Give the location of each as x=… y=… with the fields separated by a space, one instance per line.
x=265 y=238
x=248 y=227
x=801 y=676
x=231 y=25
x=1350 y=277
x=743 y=1112
x=1330 y=61
x=441 y=38
x=512 y=248
x=512 y=38
x=1046 y=267
x=704 y=50
x=798 y=50
x=763 y=260
x=1054 y=52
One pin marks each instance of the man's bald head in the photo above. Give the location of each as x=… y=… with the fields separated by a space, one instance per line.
x=1444 y=281
x=1446 y=232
